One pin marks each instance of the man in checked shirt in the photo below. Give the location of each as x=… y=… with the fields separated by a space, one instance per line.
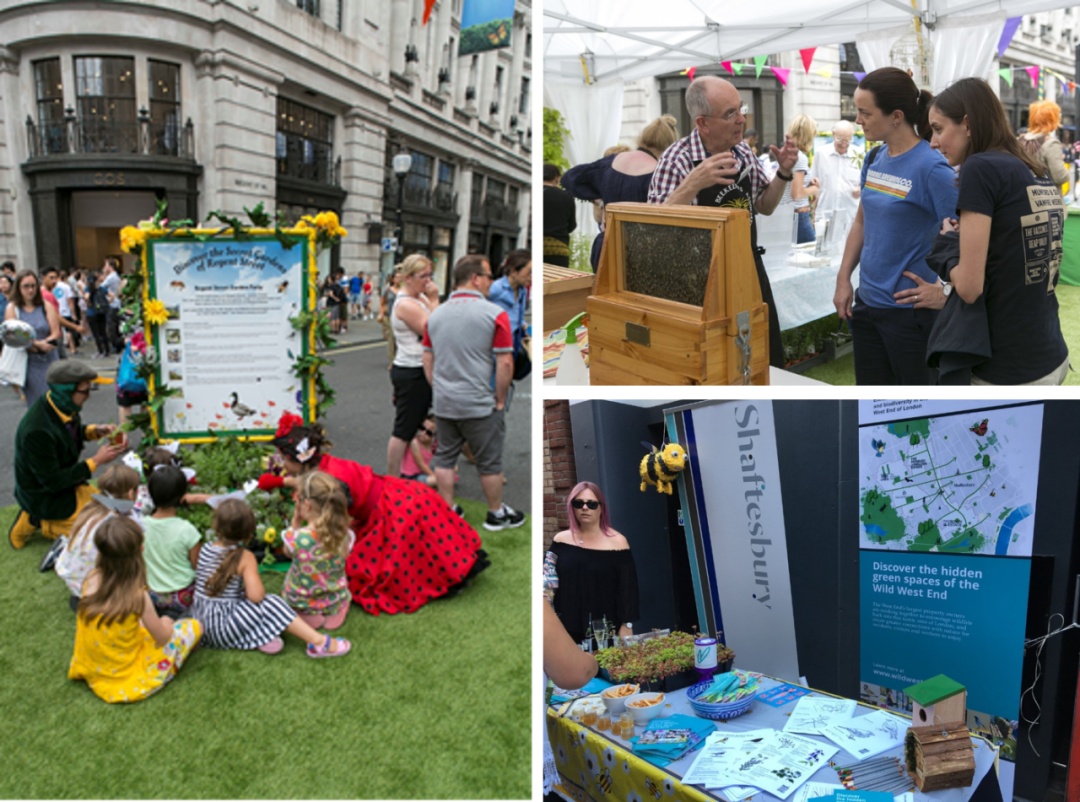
x=714 y=167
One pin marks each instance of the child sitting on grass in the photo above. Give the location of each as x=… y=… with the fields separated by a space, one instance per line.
x=230 y=598
x=79 y=554
x=123 y=649
x=319 y=541
x=172 y=544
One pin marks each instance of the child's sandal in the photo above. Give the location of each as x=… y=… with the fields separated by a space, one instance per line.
x=343 y=647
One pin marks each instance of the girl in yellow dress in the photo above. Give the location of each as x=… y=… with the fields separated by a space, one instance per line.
x=123 y=649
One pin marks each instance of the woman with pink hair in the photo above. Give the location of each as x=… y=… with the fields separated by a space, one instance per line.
x=596 y=578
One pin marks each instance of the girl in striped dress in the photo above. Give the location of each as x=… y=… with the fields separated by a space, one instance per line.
x=231 y=602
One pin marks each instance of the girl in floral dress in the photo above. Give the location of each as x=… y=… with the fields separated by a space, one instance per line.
x=316 y=586
x=123 y=649
x=232 y=602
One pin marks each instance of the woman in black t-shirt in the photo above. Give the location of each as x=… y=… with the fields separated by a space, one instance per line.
x=1010 y=232
x=595 y=569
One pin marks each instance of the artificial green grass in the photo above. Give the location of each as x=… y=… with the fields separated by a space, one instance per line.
x=433 y=705
x=842 y=371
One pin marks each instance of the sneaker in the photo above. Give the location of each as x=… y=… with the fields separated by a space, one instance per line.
x=506 y=518
x=459 y=510
x=53 y=554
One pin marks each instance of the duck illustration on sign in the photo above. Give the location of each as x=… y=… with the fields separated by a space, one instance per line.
x=239 y=409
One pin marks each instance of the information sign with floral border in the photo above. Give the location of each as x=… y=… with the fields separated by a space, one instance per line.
x=223 y=325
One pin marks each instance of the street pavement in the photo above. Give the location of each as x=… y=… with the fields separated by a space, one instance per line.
x=358 y=424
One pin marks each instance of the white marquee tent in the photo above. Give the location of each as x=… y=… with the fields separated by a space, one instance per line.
x=618 y=41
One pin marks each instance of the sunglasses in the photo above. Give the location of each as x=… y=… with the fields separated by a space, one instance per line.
x=426 y=430
x=580 y=503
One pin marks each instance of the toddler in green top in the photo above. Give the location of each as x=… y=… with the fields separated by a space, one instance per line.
x=172 y=545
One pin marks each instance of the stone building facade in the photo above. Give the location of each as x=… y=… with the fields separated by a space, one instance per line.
x=298 y=104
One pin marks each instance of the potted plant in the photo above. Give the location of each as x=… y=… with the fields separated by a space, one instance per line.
x=665 y=663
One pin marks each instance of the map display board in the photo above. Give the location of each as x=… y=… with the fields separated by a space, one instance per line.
x=952 y=483
x=228 y=346
x=946 y=524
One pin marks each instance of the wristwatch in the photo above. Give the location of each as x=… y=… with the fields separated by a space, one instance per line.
x=946 y=288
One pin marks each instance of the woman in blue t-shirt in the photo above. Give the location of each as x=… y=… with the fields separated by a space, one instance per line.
x=1010 y=238
x=907 y=189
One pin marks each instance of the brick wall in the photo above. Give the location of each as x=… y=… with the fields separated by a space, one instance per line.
x=560 y=472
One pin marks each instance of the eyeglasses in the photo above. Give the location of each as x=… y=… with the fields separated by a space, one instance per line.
x=428 y=431
x=728 y=116
x=486 y=275
x=423 y=276
x=838 y=141
x=580 y=503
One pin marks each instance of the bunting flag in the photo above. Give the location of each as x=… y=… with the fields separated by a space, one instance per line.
x=1007 y=75
x=781 y=74
x=1034 y=73
x=859 y=76
x=428 y=6
x=1007 y=35
x=690 y=73
x=823 y=73
x=807 y=54
x=727 y=66
x=738 y=68
x=759 y=62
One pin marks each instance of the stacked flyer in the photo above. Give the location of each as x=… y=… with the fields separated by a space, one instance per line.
x=779 y=762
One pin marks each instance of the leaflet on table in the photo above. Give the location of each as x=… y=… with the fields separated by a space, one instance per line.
x=782 y=694
x=850 y=795
x=813 y=790
x=781 y=763
x=717 y=758
x=869 y=735
x=814 y=712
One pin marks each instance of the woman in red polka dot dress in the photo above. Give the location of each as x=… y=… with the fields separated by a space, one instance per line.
x=410 y=546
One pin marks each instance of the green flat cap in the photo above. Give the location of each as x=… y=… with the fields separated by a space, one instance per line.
x=69 y=371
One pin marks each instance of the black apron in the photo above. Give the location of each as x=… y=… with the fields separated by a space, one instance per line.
x=740 y=196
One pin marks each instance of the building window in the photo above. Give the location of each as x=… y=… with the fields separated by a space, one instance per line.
x=523 y=103
x=495 y=190
x=305 y=142
x=512 y=198
x=309 y=7
x=444 y=190
x=165 y=122
x=50 y=106
x=418 y=181
x=105 y=104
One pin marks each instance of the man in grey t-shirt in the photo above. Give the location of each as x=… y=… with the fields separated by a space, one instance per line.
x=464 y=336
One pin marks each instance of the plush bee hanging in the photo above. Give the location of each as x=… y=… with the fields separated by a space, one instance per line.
x=661 y=467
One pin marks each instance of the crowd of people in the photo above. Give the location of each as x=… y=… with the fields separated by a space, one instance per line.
x=919 y=214
x=147 y=586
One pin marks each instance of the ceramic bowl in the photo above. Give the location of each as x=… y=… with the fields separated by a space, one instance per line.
x=645 y=714
x=617 y=704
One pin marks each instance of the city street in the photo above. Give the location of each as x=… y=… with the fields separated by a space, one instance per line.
x=358 y=424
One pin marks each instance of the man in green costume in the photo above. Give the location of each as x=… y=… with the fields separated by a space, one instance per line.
x=51 y=480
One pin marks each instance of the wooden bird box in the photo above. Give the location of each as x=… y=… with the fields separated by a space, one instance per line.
x=936 y=700
x=940 y=756
x=677 y=300
x=565 y=291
